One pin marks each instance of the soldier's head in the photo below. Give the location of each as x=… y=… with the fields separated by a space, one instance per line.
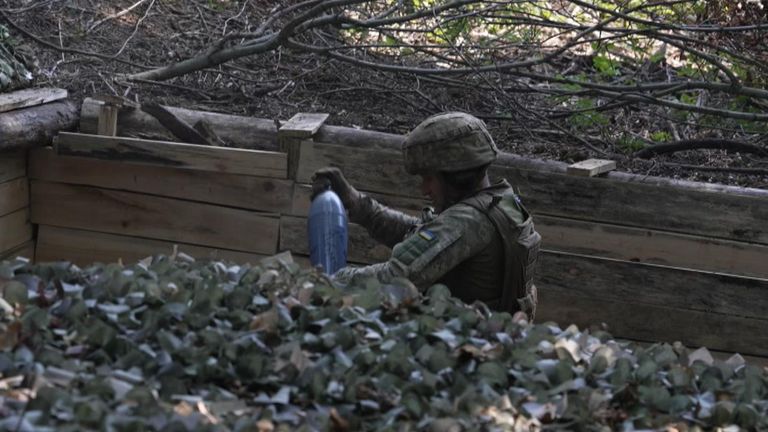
x=451 y=152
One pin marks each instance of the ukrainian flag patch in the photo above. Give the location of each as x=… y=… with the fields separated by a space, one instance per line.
x=427 y=235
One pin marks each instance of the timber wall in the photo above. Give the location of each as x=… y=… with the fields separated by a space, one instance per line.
x=655 y=259
x=15 y=228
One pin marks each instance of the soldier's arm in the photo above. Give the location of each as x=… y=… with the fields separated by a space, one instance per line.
x=385 y=225
x=432 y=251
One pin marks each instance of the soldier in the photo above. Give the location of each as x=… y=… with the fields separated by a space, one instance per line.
x=481 y=243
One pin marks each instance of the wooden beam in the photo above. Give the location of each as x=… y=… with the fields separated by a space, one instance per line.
x=14 y=195
x=302 y=125
x=362 y=248
x=652 y=246
x=178 y=127
x=591 y=167
x=653 y=323
x=129 y=213
x=15 y=230
x=30 y=97
x=368 y=170
x=108 y=120
x=13 y=165
x=238 y=131
x=84 y=247
x=608 y=279
x=175 y=155
x=25 y=250
x=233 y=190
x=302 y=194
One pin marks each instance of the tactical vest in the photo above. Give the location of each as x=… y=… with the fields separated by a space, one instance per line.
x=521 y=245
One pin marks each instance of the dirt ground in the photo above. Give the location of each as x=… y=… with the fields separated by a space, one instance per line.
x=282 y=83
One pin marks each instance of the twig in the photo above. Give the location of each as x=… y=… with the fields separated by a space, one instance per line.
x=114 y=16
x=135 y=28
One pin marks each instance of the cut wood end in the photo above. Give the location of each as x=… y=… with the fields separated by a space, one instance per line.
x=591 y=167
x=303 y=125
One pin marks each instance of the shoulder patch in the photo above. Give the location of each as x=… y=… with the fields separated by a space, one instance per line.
x=421 y=247
x=427 y=235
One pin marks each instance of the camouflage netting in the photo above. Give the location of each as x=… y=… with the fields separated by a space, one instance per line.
x=170 y=344
x=13 y=73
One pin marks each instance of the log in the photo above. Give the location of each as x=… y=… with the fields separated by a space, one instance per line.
x=30 y=97
x=178 y=127
x=153 y=217
x=236 y=131
x=36 y=126
x=240 y=191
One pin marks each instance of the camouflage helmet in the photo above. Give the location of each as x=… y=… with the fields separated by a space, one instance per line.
x=452 y=141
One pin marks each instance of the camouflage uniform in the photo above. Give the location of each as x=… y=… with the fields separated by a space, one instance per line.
x=483 y=248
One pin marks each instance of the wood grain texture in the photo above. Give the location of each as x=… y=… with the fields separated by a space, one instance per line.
x=36 y=126
x=666 y=208
x=302 y=125
x=607 y=279
x=30 y=97
x=302 y=194
x=362 y=249
x=654 y=323
x=367 y=169
x=175 y=155
x=591 y=167
x=13 y=165
x=134 y=214
x=652 y=246
x=25 y=250
x=14 y=195
x=237 y=131
x=241 y=191
x=15 y=230
x=87 y=247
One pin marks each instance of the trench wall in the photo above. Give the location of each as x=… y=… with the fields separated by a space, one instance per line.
x=655 y=259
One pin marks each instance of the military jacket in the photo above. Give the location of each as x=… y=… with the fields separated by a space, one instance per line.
x=481 y=248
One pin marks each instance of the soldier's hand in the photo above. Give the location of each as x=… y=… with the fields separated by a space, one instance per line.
x=333 y=178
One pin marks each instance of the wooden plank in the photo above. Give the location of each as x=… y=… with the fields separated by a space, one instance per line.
x=302 y=194
x=30 y=97
x=661 y=207
x=12 y=165
x=176 y=155
x=591 y=167
x=361 y=247
x=148 y=216
x=302 y=125
x=108 y=120
x=14 y=195
x=653 y=323
x=86 y=247
x=15 y=229
x=653 y=247
x=368 y=170
x=25 y=250
x=234 y=190
x=614 y=280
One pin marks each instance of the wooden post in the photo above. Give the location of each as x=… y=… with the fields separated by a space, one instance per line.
x=108 y=119
x=301 y=127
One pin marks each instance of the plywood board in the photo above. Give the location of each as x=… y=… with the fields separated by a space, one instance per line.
x=14 y=195
x=134 y=214
x=302 y=125
x=367 y=169
x=15 y=229
x=233 y=190
x=84 y=247
x=12 y=165
x=30 y=97
x=176 y=155
x=607 y=279
x=626 y=319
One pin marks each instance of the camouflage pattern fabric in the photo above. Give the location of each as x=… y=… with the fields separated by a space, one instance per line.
x=460 y=247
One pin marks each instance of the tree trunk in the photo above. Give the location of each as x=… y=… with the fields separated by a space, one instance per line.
x=36 y=126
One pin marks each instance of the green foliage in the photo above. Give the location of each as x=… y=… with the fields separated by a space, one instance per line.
x=661 y=136
x=630 y=144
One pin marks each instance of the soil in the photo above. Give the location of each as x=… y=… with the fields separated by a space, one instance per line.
x=282 y=83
